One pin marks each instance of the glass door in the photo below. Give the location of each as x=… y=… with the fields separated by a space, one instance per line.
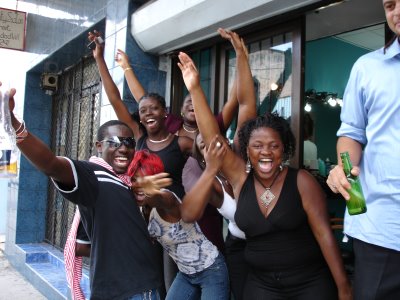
x=275 y=62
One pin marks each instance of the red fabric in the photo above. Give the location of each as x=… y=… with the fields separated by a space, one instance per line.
x=73 y=264
x=124 y=177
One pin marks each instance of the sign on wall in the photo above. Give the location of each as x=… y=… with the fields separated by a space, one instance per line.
x=12 y=29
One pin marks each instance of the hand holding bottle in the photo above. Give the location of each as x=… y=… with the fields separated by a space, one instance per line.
x=337 y=180
x=95 y=37
x=344 y=179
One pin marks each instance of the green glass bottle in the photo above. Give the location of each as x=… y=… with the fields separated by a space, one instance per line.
x=356 y=205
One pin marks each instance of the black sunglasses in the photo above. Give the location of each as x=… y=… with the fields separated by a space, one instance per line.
x=118 y=141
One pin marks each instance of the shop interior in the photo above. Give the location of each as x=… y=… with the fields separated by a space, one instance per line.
x=331 y=51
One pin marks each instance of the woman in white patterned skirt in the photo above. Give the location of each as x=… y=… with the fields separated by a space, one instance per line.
x=202 y=270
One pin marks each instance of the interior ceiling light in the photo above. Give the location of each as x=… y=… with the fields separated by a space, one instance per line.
x=307 y=107
x=274 y=86
x=332 y=102
x=312 y=96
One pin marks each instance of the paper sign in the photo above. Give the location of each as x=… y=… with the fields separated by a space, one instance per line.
x=12 y=29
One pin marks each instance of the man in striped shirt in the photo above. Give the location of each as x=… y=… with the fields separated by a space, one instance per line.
x=123 y=260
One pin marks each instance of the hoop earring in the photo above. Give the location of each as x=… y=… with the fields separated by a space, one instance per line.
x=280 y=167
x=248 y=166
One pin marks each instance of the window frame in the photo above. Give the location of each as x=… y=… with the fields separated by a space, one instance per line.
x=219 y=83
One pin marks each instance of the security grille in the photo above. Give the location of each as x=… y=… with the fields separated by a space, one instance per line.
x=75 y=120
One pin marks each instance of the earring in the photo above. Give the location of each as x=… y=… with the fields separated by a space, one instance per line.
x=280 y=167
x=248 y=166
x=182 y=114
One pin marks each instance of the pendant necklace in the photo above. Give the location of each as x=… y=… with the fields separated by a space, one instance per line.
x=267 y=197
x=160 y=141
x=188 y=130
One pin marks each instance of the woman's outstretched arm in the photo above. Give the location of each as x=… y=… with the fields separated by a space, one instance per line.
x=203 y=192
x=134 y=84
x=111 y=89
x=232 y=165
x=244 y=81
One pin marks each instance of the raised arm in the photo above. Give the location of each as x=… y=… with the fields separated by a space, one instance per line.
x=111 y=89
x=151 y=188
x=244 y=81
x=134 y=84
x=196 y=200
x=232 y=164
x=39 y=154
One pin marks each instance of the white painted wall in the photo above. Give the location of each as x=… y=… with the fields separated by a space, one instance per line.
x=3 y=205
x=164 y=25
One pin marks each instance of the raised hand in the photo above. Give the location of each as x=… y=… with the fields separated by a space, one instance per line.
x=122 y=59
x=152 y=185
x=237 y=42
x=190 y=74
x=98 y=51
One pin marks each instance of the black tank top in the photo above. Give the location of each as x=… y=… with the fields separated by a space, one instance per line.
x=283 y=239
x=173 y=159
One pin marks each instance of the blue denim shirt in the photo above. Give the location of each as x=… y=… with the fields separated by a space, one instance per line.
x=371 y=116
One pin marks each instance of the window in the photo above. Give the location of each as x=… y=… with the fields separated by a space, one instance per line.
x=275 y=61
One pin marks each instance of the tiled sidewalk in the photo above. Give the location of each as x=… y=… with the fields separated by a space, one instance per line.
x=12 y=284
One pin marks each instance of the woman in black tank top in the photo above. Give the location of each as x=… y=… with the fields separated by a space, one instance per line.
x=282 y=211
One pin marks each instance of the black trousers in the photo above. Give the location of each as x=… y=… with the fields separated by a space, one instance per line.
x=237 y=266
x=307 y=282
x=376 y=272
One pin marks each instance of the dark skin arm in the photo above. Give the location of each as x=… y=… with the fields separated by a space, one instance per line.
x=111 y=89
x=204 y=191
x=244 y=81
x=314 y=204
x=41 y=156
x=134 y=84
x=233 y=167
x=163 y=200
x=82 y=249
x=167 y=206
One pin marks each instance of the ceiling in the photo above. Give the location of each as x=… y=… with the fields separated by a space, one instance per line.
x=358 y=22
x=370 y=38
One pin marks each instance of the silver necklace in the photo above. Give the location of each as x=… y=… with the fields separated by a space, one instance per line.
x=189 y=131
x=267 y=197
x=160 y=141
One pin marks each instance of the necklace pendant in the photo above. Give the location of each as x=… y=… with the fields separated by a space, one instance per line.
x=267 y=197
